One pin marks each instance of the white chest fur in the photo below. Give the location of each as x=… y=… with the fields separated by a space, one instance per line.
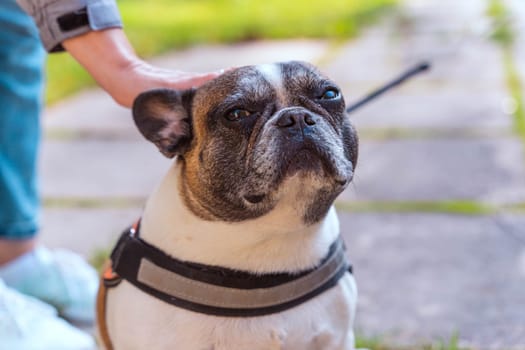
x=273 y=243
x=138 y=321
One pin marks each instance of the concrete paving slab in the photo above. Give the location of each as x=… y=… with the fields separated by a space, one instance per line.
x=203 y=58
x=440 y=107
x=427 y=276
x=445 y=15
x=100 y=169
x=85 y=230
x=440 y=169
x=517 y=10
x=374 y=58
x=90 y=111
x=465 y=85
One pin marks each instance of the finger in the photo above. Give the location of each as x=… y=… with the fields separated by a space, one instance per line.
x=200 y=79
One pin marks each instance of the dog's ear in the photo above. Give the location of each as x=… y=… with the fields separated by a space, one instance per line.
x=163 y=116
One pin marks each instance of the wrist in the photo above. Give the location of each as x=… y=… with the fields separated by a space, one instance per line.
x=107 y=55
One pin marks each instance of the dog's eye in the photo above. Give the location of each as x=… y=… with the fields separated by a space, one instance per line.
x=330 y=94
x=237 y=114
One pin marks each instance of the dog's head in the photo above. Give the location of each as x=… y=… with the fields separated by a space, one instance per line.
x=255 y=137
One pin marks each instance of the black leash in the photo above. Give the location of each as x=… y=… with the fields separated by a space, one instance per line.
x=419 y=68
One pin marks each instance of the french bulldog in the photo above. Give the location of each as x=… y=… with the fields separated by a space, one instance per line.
x=261 y=153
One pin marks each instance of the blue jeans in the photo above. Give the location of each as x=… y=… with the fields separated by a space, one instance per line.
x=21 y=89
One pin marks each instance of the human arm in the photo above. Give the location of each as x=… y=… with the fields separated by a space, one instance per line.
x=90 y=30
x=109 y=57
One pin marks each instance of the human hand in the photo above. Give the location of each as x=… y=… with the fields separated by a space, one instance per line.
x=109 y=57
x=129 y=81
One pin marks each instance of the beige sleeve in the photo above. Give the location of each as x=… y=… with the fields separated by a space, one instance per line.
x=58 y=20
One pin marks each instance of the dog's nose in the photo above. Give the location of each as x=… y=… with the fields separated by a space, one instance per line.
x=296 y=119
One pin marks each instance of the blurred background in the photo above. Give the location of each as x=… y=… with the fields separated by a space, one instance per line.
x=435 y=219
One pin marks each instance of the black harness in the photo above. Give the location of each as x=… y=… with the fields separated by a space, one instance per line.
x=216 y=290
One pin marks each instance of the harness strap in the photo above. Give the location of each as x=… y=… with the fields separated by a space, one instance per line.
x=220 y=291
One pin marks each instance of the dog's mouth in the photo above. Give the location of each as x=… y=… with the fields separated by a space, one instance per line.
x=317 y=161
x=306 y=161
x=254 y=198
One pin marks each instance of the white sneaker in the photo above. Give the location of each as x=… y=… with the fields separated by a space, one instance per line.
x=29 y=324
x=60 y=278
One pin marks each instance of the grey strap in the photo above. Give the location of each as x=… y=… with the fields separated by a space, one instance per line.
x=178 y=286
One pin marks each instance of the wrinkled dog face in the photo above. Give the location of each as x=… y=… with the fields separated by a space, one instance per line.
x=252 y=137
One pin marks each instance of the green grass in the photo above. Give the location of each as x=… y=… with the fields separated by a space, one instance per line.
x=93 y=202
x=514 y=86
x=503 y=34
x=501 y=23
x=180 y=23
x=380 y=134
x=378 y=344
x=99 y=257
x=156 y=26
x=447 y=207
x=371 y=343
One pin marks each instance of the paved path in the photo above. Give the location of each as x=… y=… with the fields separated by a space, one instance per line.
x=442 y=137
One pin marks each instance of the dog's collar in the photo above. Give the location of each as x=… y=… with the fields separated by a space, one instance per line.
x=217 y=290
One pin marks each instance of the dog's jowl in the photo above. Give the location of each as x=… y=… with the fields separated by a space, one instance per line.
x=239 y=246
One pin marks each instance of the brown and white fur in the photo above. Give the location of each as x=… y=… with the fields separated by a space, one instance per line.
x=252 y=191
